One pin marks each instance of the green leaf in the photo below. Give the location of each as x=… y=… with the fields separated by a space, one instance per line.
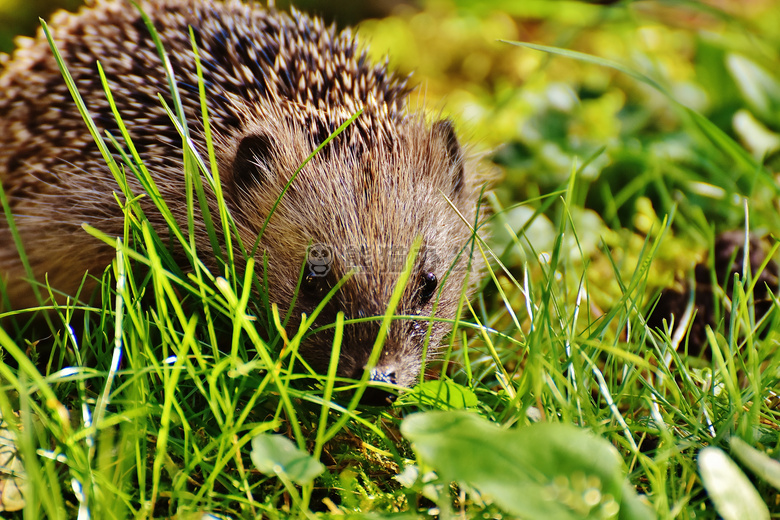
x=715 y=135
x=760 y=89
x=444 y=394
x=762 y=465
x=277 y=455
x=545 y=470
x=734 y=496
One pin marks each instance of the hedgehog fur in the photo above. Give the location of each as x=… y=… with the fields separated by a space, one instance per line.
x=277 y=85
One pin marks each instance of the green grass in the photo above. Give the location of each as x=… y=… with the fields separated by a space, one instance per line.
x=585 y=231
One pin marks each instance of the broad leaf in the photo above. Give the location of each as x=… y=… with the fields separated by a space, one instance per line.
x=762 y=465
x=545 y=470
x=442 y=394
x=734 y=496
x=277 y=455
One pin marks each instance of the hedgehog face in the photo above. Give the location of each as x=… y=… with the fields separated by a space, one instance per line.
x=277 y=85
x=352 y=217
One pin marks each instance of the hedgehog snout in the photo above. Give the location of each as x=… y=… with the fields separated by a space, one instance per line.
x=384 y=375
x=379 y=396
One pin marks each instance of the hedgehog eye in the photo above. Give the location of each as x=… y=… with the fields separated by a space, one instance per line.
x=428 y=284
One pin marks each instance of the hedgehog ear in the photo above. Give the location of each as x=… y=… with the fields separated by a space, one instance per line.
x=251 y=163
x=445 y=132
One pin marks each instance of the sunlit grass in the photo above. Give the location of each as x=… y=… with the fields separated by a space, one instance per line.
x=145 y=402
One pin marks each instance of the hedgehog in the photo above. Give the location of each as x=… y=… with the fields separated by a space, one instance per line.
x=277 y=86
